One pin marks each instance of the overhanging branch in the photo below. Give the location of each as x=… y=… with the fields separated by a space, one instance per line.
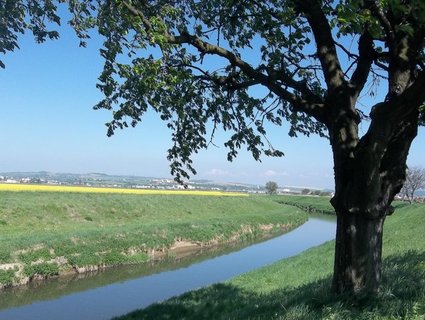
x=310 y=104
x=326 y=50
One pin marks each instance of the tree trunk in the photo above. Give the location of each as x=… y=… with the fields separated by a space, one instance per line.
x=367 y=178
x=358 y=252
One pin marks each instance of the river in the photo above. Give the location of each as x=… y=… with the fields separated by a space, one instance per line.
x=118 y=291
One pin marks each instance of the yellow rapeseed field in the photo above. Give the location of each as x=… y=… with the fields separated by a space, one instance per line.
x=58 y=188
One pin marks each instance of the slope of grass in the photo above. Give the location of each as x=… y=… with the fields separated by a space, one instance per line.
x=298 y=287
x=312 y=204
x=61 y=231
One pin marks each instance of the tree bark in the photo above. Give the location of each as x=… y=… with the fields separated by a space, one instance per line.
x=368 y=175
x=358 y=251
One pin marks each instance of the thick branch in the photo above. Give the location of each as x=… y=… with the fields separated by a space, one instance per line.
x=393 y=164
x=313 y=108
x=138 y=13
x=364 y=63
x=310 y=105
x=388 y=116
x=288 y=80
x=326 y=50
x=385 y=23
x=382 y=151
x=231 y=81
x=413 y=96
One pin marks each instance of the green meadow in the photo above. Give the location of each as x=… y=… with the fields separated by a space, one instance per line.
x=298 y=287
x=43 y=234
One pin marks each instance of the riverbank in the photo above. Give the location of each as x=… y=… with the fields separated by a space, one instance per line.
x=298 y=287
x=46 y=234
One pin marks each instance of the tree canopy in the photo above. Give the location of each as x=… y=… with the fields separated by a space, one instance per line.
x=271 y=187
x=200 y=62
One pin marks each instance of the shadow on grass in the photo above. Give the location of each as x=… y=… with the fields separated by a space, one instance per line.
x=402 y=297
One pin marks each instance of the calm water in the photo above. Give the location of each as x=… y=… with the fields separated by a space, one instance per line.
x=119 y=291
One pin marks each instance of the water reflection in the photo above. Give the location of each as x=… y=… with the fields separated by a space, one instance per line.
x=73 y=283
x=118 y=291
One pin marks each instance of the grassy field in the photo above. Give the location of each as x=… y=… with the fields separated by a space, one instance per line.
x=298 y=287
x=312 y=204
x=46 y=233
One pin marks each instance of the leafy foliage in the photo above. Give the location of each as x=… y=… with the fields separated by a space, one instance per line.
x=41 y=269
x=156 y=56
x=271 y=187
x=200 y=65
x=18 y=16
x=7 y=277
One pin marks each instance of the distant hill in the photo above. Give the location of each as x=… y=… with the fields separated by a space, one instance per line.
x=98 y=179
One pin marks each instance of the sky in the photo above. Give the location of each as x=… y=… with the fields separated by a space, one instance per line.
x=47 y=94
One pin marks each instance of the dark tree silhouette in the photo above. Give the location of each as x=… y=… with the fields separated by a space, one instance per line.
x=271 y=187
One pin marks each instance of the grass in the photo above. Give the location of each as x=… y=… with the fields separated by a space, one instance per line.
x=7 y=276
x=311 y=204
x=46 y=233
x=298 y=287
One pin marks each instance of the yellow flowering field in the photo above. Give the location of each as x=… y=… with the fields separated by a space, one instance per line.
x=81 y=189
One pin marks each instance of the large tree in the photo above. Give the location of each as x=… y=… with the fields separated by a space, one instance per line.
x=203 y=64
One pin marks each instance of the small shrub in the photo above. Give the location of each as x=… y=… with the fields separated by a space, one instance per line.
x=85 y=259
x=2 y=222
x=113 y=258
x=137 y=258
x=41 y=269
x=7 y=276
x=88 y=218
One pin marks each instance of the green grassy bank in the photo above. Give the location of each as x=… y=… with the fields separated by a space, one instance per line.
x=311 y=204
x=298 y=287
x=46 y=233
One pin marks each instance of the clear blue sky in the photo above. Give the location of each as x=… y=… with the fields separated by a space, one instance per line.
x=47 y=93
